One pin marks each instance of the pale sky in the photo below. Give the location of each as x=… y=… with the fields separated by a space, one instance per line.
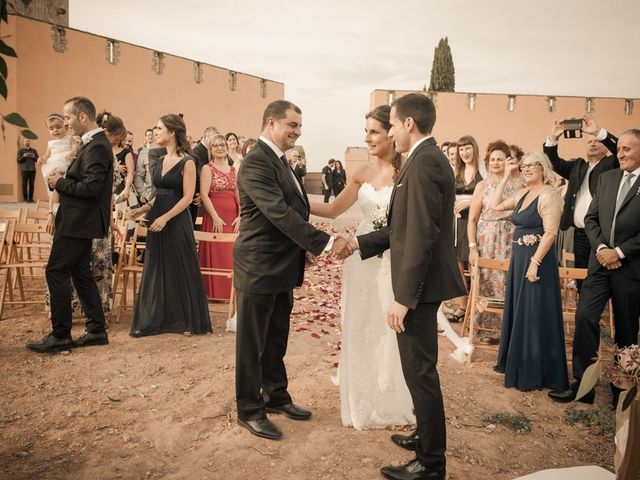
x=332 y=54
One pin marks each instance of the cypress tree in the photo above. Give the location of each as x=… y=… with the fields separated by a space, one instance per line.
x=443 y=76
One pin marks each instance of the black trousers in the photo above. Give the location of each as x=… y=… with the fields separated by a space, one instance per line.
x=418 y=346
x=261 y=344
x=28 y=181
x=327 y=194
x=597 y=288
x=70 y=259
x=581 y=250
x=337 y=188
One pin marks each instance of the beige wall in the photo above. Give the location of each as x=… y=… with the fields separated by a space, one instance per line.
x=43 y=79
x=528 y=125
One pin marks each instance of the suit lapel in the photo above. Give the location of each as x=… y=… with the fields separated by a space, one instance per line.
x=633 y=191
x=405 y=167
x=283 y=168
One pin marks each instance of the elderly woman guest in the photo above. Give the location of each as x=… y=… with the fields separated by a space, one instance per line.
x=467 y=178
x=221 y=215
x=490 y=233
x=532 y=354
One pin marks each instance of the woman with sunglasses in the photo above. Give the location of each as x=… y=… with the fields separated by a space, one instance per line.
x=219 y=195
x=532 y=353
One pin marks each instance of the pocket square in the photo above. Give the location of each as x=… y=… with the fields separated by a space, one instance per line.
x=398 y=185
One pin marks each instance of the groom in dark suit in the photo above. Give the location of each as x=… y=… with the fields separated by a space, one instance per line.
x=612 y=224
x=269 y=258
x=423 y=273
x=84 y=214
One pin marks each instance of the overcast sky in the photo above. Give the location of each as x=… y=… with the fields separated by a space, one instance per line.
x=331 y=54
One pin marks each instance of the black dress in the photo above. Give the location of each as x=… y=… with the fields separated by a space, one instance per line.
x=462 y=240
x=532 y=352
x=171 y=297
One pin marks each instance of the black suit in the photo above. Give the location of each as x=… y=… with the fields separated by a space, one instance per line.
x=622 y=285
x=84 y=214
x=327 y=172
x=424 y=272
x=200 y=154
x=269 y=260
x=574 y=171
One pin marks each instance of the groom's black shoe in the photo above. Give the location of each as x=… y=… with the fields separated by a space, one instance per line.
x=294 y=412
x=566 y=396
x=262 y=428
x=414 y=470
x=408 y=442
x=87 y=339
x=50 y=343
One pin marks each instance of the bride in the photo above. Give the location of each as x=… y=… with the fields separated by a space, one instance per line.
x=373 y=393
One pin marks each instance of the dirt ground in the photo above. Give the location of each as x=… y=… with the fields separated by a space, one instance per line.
x=163 y=408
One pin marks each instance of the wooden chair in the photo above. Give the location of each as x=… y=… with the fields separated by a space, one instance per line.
x=128 y=267
x=15 y=264
x=568 y=310
x=480 y=304
x=36 y=246
x=209 y=237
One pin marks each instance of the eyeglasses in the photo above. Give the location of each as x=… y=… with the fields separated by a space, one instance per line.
x=219 y=145
x=525 y=166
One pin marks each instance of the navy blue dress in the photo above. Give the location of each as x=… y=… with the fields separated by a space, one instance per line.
x=532 y=350
x=171 y=297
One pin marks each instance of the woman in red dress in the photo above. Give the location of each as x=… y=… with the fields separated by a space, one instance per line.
x=221 y=215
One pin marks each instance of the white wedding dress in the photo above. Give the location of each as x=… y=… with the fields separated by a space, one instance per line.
x=373 y=392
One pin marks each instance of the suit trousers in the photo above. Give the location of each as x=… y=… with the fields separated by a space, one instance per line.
x=597 y=288
x=418 y=346
x=581 y=250
x=261 y=344
x=28 y=181
x=327 y=194
x=70 y=259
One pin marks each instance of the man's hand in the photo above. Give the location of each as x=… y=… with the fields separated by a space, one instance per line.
x=310 y=259
x=51 y=224
x=197 y=200
x=53 y=178
x=395 y=316
x=608 y=257
x=614 y=266
x=557 y=131
x=343 y=246
x=589 y=125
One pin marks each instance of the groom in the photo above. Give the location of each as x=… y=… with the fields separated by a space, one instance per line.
x=423 y=273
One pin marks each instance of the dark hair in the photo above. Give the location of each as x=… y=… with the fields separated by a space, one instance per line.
x=462 y=142
x=382 y=114
x=445 y=145
x=112 y=124
x=452 y=145
x=148 y=130
x=54 y=116
x=278 y=110
x=340 y=163
x=83 y=104
x=248 y=143
x=418 y=107
x=517 y=151
x=174 y=123
x=497 y=145
x=331 y=160
x=231 y=134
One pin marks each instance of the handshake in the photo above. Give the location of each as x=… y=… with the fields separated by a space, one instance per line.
x=343 y=247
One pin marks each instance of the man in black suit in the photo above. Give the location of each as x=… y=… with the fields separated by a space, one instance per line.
x=583 y=178
x=424 y=272
x=327 y=180
x=84 y=214
x=269 y=258
x=613 y=227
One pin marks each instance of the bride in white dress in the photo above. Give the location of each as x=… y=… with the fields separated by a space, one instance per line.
x=373 y=392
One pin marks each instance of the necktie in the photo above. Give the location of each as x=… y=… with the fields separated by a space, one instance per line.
x=293 y=175
x=626 y=186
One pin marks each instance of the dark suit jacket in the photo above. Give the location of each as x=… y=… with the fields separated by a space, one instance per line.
x=575 y=170
x=420 y=230
x=85 y=193
x=328 y=175
x=268 y=255
x=201 y=156
x=599 y=219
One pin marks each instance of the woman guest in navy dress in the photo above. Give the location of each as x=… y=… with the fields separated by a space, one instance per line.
x=171 y=297
x=532 y=351
x=221 y=215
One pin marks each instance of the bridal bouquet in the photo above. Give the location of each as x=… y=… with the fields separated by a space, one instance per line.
x=379 y=219
x=626 y=370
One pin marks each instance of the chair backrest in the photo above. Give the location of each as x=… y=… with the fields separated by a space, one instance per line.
x=492 y=264
x=137 y=241
x=11 y=214
x=568 y=257
x=30 y=228
x=215 y=237
x=575 y=273
x=35 y=216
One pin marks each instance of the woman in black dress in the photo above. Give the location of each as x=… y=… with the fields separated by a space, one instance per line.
x=171 y=297
x=339 y=178
x=532 y=353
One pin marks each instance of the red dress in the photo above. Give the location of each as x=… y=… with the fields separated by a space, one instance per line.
x=225 y=201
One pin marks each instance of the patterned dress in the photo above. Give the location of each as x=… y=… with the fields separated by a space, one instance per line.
x=494 y=236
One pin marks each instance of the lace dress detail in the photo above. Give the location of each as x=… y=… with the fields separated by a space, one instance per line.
x=373 y=392
x=59 y=149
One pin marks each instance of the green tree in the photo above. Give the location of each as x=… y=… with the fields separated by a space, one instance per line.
x=13 y=118
x=443 y=75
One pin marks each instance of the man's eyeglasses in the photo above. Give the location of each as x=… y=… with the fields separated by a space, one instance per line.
x=525 y=166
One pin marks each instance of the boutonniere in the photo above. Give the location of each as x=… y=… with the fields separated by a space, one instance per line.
x=638 y=192
x=85 y=141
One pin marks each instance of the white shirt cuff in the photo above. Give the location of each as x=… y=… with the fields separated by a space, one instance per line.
x=620 y=254
x=601 y=135
x=550 y=143
x=601 y=246
x=329 y=244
